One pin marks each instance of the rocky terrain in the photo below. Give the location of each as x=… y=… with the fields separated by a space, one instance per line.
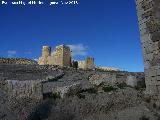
x=33 y=92
x=22 y=61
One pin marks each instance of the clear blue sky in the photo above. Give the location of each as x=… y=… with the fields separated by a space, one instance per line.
x=105 y=29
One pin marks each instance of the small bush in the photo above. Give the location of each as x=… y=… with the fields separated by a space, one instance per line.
x=122 y=85
x=81 y=96
x=101 y=84
x=89 y=90
x=109 y=88
x=56 y=95
x=92 y=90
x=158 y=118
x=137 y=88
x=51 y=95
x=144 y=118
x=50 y=78
x=148 y=99
x=154 y=105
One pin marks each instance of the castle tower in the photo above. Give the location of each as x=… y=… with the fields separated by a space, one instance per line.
x=90 y=63
x=148 y=12
x=46 y=51
x=46 y=56
x=62 y=56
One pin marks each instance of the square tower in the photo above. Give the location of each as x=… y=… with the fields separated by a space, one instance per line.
x=62 y=56
x=46 y=54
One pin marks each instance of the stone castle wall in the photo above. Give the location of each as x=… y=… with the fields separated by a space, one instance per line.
x=82 y=64
x=148 y=12
x=90 y=63
x=60 y=56
x=87 y=64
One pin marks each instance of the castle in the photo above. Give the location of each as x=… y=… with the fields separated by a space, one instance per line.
x=62 y=56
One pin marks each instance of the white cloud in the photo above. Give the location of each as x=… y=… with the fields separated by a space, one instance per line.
x=11 y=53
x=36 y=59
x=79 y=49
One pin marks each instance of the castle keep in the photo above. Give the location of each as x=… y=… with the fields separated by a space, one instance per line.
x=148 y=12
x=61 y=56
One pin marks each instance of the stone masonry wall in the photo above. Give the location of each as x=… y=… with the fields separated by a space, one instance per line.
x=29 y=88
x=90 y=63
x=81 y=64
x=87 y=64
x=148 y=12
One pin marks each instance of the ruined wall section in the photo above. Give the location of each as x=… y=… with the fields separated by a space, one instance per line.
x=148 y=12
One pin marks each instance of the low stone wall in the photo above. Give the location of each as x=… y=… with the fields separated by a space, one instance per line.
x=29 y=88
x=100 y=78
x=22 y=61
x=131 y=79
x=34 y=81
x=136 y=80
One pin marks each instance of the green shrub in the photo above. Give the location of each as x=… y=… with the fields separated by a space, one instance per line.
x=81 y=96
x=92 y=90
x=89 y=90
x=147 y=99
x=144 y=118
x=101 y=84
x=51 y=95
x=158 y=118
x=109 y=88
x=51 y=78
x=122 y=85
x=154 y=105
x=137 y=88
x=56 y=95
